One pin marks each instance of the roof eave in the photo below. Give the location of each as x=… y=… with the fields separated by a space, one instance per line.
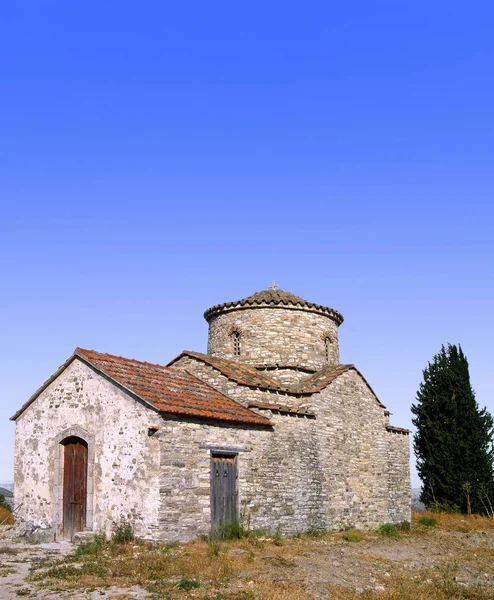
x=43 y=387
x=78 y=353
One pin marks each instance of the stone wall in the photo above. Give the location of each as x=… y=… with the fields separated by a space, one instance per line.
x=275 y=336
x=399 y=498
x=123 y=460
x=276 y=483
x=354 y=444
x=341 y=468
x=242 y=394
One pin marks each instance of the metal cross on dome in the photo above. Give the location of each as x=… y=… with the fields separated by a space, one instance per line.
x=273 y=285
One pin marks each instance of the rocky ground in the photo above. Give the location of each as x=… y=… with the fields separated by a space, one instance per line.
x=428 y=562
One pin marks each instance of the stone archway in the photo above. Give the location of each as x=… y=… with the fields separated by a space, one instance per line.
x=74 y=494
x=73 y=482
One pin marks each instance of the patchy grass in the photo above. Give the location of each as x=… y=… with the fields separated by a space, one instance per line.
x=352 y=535
x=457 y=522
x=388 y=530
x=427 y=521
x=6 y=570
x=123 y=533
x=8 y=550
x=188 y=584
x=232 y=530
x=91 y=546
x=405 y=526
x=452 y=561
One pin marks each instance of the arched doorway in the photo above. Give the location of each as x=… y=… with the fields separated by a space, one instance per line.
x=75 y=462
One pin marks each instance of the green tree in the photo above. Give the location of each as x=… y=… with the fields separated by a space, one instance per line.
x=453 y=443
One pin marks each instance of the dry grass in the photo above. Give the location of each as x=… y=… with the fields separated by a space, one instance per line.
x=455 y=522
x=452 y=561
x=6 y=516
x=161 y=568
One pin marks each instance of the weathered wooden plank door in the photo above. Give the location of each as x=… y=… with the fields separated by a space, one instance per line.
x=74 y=487
x=224 y=505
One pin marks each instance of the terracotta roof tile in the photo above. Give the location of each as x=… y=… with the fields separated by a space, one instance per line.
x=169 y=390
x=318 y=381
x=397 y=429
x=272 y=298
x=249 y=376
x=237 y=371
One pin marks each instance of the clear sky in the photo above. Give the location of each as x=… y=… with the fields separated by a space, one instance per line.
x=159 y=157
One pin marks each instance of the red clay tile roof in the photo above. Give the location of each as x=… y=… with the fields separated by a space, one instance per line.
x=272 y=299
x=237 y=371
x=317 y=382
x=168 y=390
x=249 y=376
x=397 y=429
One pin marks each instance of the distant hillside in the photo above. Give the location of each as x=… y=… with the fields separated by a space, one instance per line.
x=6 y=490
x=416 y=503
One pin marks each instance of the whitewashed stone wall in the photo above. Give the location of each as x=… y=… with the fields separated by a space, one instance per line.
x=279 y=336
x=123 y=464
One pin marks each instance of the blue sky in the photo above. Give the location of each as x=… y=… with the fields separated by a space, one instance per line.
x=158 y=158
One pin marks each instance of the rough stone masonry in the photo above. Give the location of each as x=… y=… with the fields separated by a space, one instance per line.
x=309 y=443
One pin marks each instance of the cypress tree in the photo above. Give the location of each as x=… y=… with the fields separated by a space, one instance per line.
x=453 y=443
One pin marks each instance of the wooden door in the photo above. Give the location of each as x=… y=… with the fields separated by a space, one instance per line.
x=224 y=505
x=74 y=487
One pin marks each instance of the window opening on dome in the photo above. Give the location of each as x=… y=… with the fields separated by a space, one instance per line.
x=236 y=343
x=327 y=347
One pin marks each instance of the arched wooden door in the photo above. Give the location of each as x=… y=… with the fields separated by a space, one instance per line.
x=74 y=486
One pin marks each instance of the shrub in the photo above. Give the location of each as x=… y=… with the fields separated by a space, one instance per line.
x=352 y=536
x=278 y=536
x=405 y=526
x=427 y=521
x=188 y=584
x=123 y=533
x=230 y=530
x=388 y=530
x=445 y=507
x=91 y=546
x=4 y=503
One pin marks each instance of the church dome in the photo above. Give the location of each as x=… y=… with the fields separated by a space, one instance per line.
x=274 y=329
x=270 y=298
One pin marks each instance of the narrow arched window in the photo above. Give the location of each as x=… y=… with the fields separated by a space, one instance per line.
x=236 y=343
x=327 y=347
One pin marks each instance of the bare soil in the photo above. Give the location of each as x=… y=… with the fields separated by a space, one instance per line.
x=454 y=560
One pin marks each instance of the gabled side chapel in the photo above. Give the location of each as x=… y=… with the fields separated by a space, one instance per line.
x=267 y=426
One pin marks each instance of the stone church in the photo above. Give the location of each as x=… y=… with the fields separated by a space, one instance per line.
x=268 y=427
